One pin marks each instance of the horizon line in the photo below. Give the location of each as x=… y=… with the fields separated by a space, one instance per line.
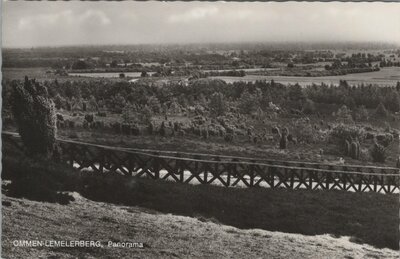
x=202 y=43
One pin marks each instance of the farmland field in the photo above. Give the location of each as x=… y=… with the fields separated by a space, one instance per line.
x=384 y=77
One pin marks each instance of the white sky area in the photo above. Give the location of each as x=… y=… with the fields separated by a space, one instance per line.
x=32 y=24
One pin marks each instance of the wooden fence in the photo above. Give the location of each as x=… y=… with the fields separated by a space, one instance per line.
x=224 y=170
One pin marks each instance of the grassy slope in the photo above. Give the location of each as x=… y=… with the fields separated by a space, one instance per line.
x=164 y=235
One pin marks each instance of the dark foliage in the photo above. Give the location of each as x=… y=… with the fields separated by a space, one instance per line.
x=35 y=116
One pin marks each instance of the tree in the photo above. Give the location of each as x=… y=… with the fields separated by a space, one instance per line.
x=80 y=64
x=296 y=96
x=362 y=113
x=59 y=102
x=35 y=116
x=72 y=90
x=127 y=114
x=393 y=102
x=248 y=103
x=146 y=115
x=154 y=104
x=114 y=63
x=118 y=103
x=217 y=104
x=296 y=93
x=309 y=107
x=93 y=103
x=381 y=110
x=344 y=115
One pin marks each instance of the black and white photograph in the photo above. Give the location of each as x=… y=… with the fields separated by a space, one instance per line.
x=150 y=129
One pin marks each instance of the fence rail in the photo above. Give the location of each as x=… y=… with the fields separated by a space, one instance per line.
x=224 y=170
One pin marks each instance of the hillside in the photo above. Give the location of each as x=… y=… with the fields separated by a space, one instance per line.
x=164 y=235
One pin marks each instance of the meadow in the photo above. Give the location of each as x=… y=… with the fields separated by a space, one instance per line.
x=384 y=77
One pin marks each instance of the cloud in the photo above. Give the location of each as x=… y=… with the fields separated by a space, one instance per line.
x=67 y=17
x=94 y=16
x=194 y=14
x=28 y=23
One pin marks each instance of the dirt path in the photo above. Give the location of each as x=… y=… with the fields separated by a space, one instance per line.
x=166 y=236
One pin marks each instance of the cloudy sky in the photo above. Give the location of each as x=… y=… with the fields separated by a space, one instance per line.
x=27 y=24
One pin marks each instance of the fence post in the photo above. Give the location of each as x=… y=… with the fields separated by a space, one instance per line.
x=157 y=166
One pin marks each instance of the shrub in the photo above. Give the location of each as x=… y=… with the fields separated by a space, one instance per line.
x=343 y=115
x=150 y=128
x=177 y=126
x=378 y=153
x=73 y=135
x=381 y=111
x=89 y=118
x=362 y=113
x=135 y=130
x=102 y=114
x=205 y=133
x=217 y=104
x=126 y=129
x=354 y=151
x=283 y=139
x=35 y=116
x=309 y=107
x=60 y=117
x=343 y=132
x=162 y=130
x=71 y=124
x=228 y=137
x=306 y=132
x=385 y=139
x=99 y=124
x=85 y=124
x=117 y=127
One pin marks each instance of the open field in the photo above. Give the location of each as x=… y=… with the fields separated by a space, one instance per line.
x=384 y=77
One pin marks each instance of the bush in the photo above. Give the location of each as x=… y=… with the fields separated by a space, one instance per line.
x=71 y=124
x=89 y=118
x=361 y=113
x=343 y=115
x=162 y=130
x=102 y=114
x=205 y=133
x=309 y=107
x=60 y=117
x=85 y=124
x=378 y=153
x=381 y=111
x=126 y=129
x=306 y=132
x=117 y=127
x=35 y=116
x=385 y=139
x=150 y=128
x=135 y=130
x=343 y=132
x=228 y=137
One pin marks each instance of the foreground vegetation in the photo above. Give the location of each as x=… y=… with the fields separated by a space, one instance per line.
x=336 y=123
